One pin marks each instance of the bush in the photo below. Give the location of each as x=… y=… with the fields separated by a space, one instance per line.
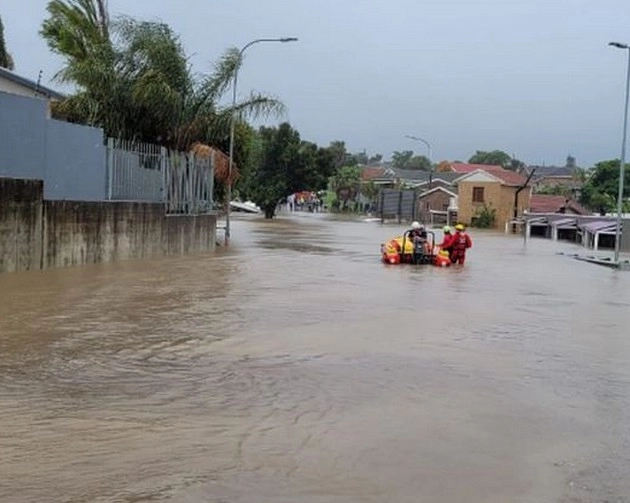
x=484 y=217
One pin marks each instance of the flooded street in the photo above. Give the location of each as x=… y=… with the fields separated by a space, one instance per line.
x=296 y=368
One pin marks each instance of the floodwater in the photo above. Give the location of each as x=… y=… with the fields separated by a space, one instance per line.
x=296 y=368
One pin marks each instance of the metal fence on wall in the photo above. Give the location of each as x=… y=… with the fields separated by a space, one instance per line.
x=399 y=204
x=150 y=173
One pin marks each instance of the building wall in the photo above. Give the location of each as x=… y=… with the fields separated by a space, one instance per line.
x=496 y=195
x=71 y=159
x=437 y=201
x=22 y=137
x=38 y=234
x=8 y=86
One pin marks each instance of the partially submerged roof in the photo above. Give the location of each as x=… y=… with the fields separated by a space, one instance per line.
x=30 y=84
x=599 y=225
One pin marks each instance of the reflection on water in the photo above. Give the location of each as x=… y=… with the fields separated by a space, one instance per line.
x=295 y=367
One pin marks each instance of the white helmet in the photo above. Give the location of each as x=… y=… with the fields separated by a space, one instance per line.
x=415 y=225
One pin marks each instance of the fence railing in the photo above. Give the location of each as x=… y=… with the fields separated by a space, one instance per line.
x=150 y=173
x=189 y=184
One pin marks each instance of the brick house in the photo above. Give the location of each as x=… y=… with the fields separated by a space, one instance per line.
x=437 y=206
x=496 y=188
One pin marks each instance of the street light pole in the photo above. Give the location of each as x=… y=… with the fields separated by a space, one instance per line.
x=623 y=153
x=417 y=138
x=233 y=125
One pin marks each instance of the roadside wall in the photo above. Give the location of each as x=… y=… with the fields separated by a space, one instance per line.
x=20 y=224
x=38 y=234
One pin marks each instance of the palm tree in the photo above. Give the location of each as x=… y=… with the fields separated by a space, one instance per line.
x=138 y=84
x=6 y=61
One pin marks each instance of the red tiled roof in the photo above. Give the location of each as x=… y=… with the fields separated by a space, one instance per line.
x=372 y=173
x=509 y=177
x=544 y=203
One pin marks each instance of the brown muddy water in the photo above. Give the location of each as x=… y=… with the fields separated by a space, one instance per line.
x=297 y=368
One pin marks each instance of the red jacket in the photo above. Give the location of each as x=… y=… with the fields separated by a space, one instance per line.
x=461 y=241
x=447 y=242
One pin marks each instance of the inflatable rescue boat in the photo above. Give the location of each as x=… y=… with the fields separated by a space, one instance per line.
x=407 y=250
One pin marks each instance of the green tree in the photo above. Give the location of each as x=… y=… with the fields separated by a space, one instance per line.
x=401 y=159
x=6 y=61
x=419 y=162
x=555 y=190
x=375 y=159
x=284 y=165
x=345 y=185
x=496 y=158
x=602 y=188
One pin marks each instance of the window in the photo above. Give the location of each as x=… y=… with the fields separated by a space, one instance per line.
x=478 y=195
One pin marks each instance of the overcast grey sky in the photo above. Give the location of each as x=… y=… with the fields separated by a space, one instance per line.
x=532 y=77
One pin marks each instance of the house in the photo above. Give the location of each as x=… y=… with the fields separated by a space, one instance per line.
x=437 y=206
x=494 y=189
x=543 y=203
x=12 y=83
x=555 y=217
x=556 y=176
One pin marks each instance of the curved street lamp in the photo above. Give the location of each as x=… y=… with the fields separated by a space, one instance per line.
x=625 y=47
x=417 y=138
x=233 y=125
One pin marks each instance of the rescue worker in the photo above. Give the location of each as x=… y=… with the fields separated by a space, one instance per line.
x=447 y=241
x=418 y=236
x=417 y=231
x=461 y=243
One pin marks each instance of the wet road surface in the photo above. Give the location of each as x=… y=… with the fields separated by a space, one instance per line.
x=297 y=368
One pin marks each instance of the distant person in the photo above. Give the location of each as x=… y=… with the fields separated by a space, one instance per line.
x=461 y=243
x=447 y=241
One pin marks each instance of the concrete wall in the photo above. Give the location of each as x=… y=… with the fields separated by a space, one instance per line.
x=88 y=233
x=38 y=234
x=500 y=197
x=75 y=162
x=20 y=224
x=71 y=159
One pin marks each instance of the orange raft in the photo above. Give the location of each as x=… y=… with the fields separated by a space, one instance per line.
x=403 y=250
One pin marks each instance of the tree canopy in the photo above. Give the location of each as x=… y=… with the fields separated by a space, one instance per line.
x=285 y=164
x=6 y=61
x=406 y=160
x=602 y=188
x=133 y=78
x=496 y=158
